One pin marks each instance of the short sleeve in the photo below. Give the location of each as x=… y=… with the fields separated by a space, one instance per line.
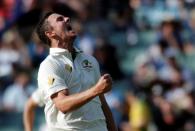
x=37 y=96
x=51 y=78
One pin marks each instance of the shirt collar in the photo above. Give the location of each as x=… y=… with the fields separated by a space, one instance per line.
x=58 y=51
x=61 y=51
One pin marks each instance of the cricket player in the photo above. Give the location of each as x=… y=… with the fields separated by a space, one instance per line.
x=73 y=90
x=36 y=100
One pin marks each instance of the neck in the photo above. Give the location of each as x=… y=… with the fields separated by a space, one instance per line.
x=63 y=45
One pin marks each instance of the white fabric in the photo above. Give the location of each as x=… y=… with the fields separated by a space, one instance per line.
x=37 y=96
x=99 y=125
x=58 y=72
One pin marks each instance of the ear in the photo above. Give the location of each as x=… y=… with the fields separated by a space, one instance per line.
x=49 y=34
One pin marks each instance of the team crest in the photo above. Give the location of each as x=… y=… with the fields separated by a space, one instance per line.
x=68 y=67
x=50 y=80
x=86 y=64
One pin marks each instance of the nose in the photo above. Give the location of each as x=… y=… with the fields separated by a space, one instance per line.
x=66 y=19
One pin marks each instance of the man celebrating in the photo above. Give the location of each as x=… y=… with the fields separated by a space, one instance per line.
x=73 y=90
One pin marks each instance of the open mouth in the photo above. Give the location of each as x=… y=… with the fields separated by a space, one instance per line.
x=69 y=28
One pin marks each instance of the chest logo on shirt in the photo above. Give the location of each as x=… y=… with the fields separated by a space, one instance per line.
x=86 y=64
x=68 y=67
x=50 y=80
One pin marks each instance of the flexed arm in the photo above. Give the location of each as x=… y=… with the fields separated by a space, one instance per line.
x=65 y=102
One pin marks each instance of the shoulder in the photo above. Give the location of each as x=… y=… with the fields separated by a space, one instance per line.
x=50 y=66
x=49 y=63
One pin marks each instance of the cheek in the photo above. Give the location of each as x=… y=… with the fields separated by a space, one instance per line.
x=59 y=32
x=58 y=28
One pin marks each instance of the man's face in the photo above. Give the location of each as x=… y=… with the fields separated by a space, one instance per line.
x=61 y=27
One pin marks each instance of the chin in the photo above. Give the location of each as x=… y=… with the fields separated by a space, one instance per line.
x=72 y=38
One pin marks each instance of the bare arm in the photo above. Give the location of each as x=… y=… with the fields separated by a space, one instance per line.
x=28 y=116
x=65 y=102
x=108 y=114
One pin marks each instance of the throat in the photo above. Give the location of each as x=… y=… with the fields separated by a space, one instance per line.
x=67 y=46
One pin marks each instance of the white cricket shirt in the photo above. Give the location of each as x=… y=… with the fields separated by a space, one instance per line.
x=58 y=72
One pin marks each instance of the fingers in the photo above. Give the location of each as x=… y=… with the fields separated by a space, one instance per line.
x=104 y=84
x=108 y=78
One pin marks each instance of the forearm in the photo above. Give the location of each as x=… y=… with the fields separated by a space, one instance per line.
x=28 y=117
x=66 y=103
x=108 y=114
x=28 y=122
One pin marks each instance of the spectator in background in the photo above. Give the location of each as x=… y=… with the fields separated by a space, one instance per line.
x=170 y=38
x=84 y=40
x=139 y=115
x=37 y=51
x=8 y=55
x=12 y=51
x=16 y=95
x=106 y=55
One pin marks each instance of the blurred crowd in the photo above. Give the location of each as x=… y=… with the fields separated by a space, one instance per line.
x=148 y=47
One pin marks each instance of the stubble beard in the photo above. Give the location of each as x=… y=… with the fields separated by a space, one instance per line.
x=68 y=43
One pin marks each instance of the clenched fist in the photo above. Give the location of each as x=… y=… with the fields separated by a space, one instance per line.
x=104 y=84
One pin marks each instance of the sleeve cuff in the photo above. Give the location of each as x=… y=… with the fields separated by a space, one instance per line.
x=55 y=89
